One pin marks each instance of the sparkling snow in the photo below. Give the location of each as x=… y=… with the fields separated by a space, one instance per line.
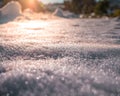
x=59 y=57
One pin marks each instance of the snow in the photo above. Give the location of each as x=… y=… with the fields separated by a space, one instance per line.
x=59 y=57
x=29 y=11
x=64 y=14
x=10 y=11
x=69 y=14
x=58 y=12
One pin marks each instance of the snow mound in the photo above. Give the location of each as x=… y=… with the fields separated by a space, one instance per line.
x=66 y=14
x=29 y=11
x=69 y=14
x=58 y=12
x=10 y=11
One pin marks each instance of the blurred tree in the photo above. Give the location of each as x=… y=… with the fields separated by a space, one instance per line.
x=6 y=1
x=116 y=13
x=102 y=7
x=67 y=4
x=80 y=6
x=88 y=6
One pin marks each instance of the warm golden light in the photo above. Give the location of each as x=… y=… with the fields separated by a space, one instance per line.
x=35 y=32
x=33 y=24
x=31 y=4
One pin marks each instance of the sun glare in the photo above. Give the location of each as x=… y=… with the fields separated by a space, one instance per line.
x=33 y=24
x=31 y=4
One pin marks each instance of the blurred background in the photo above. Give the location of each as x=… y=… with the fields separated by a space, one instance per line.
x=95 y=8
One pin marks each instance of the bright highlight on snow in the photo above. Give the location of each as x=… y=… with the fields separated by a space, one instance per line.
x=58 y=54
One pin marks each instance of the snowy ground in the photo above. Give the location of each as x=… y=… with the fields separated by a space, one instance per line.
x=60 y=57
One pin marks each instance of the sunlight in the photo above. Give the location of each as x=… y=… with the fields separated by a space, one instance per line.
x=35 y=31
x=31 y=4
x=33 y=24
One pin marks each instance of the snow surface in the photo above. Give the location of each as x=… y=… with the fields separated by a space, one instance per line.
x=58 y=12
x=10 y=11
x=59 y=57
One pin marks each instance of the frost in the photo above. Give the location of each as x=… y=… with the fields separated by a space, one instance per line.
x=60 y=57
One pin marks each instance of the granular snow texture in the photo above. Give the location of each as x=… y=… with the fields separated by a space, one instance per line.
x=60 y=57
